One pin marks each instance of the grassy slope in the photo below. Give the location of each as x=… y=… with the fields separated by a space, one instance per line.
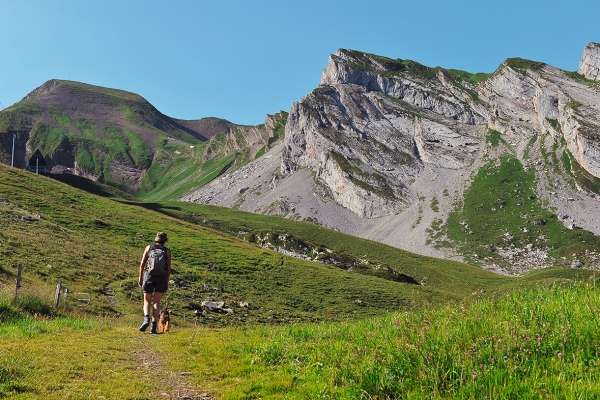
x=501 y=210
x=94 y=243
x=186 y=174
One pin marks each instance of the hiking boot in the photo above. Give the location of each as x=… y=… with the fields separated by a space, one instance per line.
x=153 y=329
x=145 y=324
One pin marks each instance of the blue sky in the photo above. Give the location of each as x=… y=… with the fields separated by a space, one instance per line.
x=241 y=60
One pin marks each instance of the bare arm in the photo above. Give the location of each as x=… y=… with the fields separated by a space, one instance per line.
x=168 y=265
x=142 y=265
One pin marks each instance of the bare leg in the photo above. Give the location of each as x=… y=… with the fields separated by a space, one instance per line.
x=156 y=309
x=146 y=308
x=147 y=303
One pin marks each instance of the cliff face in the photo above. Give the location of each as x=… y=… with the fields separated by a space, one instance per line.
x=589 y=66
x=374 y=124
x=483 y=168
x=371 y=126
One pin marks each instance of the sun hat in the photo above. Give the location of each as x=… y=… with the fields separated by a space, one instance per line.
x=160 y=237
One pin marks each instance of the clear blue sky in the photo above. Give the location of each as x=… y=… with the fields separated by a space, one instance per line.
x=240 y=60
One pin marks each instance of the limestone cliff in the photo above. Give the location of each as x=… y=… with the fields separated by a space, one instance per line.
x=589 y=66
x=373 y=124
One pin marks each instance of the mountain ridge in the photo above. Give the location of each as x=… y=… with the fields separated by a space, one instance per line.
x=391 y=146
x=116 y=136
x=384 y=149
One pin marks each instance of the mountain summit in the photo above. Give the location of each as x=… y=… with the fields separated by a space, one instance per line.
x=119 y=138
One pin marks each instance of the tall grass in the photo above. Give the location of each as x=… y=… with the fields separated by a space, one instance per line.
x=29 y=301
x=534 y=344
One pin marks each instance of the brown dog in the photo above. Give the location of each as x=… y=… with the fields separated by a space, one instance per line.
x=164 y=321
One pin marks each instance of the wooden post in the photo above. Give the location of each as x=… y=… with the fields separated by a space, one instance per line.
x=19 y=268
x=57 y=294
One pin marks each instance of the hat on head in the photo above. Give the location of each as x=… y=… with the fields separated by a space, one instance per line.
x=160 y=237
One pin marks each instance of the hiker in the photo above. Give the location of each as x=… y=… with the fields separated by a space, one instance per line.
x=155 y=269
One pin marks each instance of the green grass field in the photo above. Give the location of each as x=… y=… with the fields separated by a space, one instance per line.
x=312 y=330
x=538 y=343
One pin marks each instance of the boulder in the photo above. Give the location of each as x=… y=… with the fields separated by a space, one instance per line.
x=213 y=306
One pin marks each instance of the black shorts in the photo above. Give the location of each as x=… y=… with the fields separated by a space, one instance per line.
x=154 y=283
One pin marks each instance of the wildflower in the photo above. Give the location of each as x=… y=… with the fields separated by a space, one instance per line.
x=505 y=358
x=524 y=370
x=499 y=340
x=480 y=366
x=474 y=376
x=559 y=354
x=516 y=367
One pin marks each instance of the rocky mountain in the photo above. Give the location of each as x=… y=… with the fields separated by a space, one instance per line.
x=395 y=151
x=118 y=137
x=499 y=170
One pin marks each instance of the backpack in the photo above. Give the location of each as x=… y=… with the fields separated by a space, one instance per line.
x=156 y=264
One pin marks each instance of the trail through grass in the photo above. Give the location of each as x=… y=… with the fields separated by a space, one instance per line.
x=540 y=343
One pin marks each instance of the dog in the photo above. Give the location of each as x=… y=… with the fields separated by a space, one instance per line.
x=164 y=321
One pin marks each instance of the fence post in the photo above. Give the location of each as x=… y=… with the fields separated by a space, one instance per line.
x=57 y=294
x=19 y=268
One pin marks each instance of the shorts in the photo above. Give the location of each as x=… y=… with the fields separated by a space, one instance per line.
x=154 y=283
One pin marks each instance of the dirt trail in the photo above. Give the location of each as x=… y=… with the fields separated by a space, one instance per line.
x=169 y=384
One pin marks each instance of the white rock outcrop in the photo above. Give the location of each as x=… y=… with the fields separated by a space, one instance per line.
x=589 y=66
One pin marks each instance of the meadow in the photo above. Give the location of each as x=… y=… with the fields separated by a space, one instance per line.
x=538 y=343
x=311 y=330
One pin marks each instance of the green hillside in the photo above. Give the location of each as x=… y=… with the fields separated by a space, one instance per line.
x=119 y=138
x=94 y=244
x=312 y=329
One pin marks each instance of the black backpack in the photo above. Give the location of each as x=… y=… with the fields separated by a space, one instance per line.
x=156 y=264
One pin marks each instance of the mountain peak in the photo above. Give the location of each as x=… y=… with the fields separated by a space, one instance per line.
x=43 y=89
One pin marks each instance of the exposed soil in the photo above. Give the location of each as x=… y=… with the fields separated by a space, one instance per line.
x=169 y=384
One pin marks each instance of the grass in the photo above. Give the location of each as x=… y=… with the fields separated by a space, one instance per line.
x=171 y=177
x=469 y=77
x=523 y=64
x=94 y=243
x=536 y=343
x=391 y=68
x=581 y=78
x=582 y=177
x=501 y=210
x=494 y=138
x=312 y=330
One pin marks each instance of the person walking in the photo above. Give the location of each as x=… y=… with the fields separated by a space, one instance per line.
x=155 y=270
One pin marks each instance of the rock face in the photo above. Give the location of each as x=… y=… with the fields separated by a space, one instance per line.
x=385 y=149
x=371 y=126
x=589 y=66
x=373 y=123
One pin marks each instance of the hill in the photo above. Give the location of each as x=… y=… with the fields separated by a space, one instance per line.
x=117 y=137
x=93 y=243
